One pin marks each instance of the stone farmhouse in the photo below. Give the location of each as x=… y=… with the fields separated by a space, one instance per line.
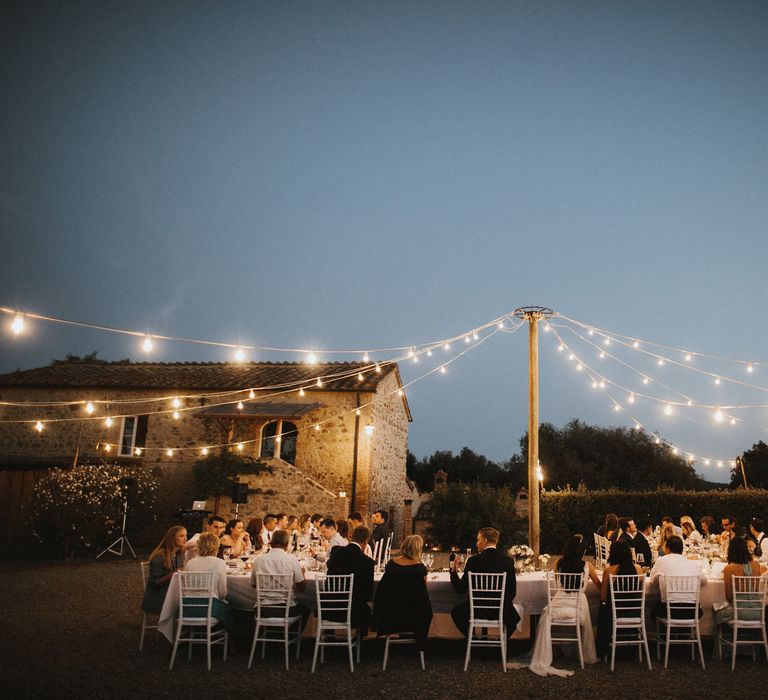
x=332 y=446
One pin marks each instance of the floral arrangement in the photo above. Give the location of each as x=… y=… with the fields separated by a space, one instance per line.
x=520 y=551
x=82 y=507
x=544 y=561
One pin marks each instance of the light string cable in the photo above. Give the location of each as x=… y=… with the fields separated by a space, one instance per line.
x=638 y=344
x=317 y=425
x=619 y=407
x=149 y=338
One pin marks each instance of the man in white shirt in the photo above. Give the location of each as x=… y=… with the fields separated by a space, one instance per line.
x=278 y=561
x=270 y=525
x=761 y=548
x=673 y=563
x=216 y=525
x=329 y=533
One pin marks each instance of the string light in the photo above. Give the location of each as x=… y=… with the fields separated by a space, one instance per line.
x=429 y=352
x=411 y=353
x=301 y=391
x=719 y=416
x=636 y=345
x=687 y=357
x=366 y=359
x=500 y=325
x=240 y=447
x=239 y=405
x=239 y=355
x=560 y=347
x=750 y=368
x=251 y=394
x=466 y=338
x=378 y=368
x=602 y=355
x=717 y=380
x=442 y=369
x=660 y=362
x=108 y=422
x=369 y=429
x=39 y=426
x=17 y=325
x=204 y=451
x=176 y=403
x=147 y=344
x=107 y=447
x=176 y=415
x=475 y=336
x=400 y=392
x=137 y=452
x=89 y=408
x=447 y=347
x=668 y=409
x=357 y=412
x=317 y=427
x=631 y=398
x=319 y=382
x=312 y=358
x=169 y=452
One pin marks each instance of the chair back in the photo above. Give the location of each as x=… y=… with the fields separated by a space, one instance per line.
x=273 y=591
x=563 y=592
x=749 y=599
x=196 y=592
x=334 y=595
x=144 y=574
x=377 y=551
x=602 y=550
x=627 y=596
x=681 y=590
x=486 y=596
x=387 y=550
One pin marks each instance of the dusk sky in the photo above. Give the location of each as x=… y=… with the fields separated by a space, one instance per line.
x=364 y=175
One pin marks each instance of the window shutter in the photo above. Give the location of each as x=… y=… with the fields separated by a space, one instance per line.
x=141 y=431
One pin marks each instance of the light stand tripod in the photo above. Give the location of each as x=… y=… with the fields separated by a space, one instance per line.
x=122 y=540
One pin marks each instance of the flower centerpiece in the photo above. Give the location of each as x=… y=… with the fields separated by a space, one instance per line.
x=522 y=555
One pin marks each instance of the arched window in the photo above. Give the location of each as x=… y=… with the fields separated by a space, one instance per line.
x=285 y=446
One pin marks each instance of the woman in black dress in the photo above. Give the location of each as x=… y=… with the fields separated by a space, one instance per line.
x=402 y=603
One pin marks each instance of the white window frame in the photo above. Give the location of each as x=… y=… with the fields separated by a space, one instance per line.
x=120 y=452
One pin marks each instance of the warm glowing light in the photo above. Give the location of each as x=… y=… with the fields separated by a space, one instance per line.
x=733 y=421
x=447 y=347
x=547 y=328
x=602 y=384
x=617 y=407
x=636 y=345
x=607 y=341
x=176 y=403
x=312 y=358
x=317 y=427
x=733 y=463
x=89 y=408
x=645 y=380
x=561 y=347
x=169 y=453
x=690 y=402
x=17 y=325
x=239 y=405
x=137 y=452
x=108 y=422
x=319 y=382
x=251 y=394
x=687 y=357
x=675 y=450
x=571 y=356
x=39 y=426
x=719 y=464
x=301 y=391
x=342 y=494
x=638 y=426
x=239 y=355
x=594 y=385
x=443 y=370
x=415 y=358
x=366 y=358
x=107 y=447
x=147 y=344
x=657 y=441
x=631 y=398
x=400 y=392
x=579 y=367
x=500 y=325
x=719 y=416
x=369 y=429
x=706 y=462
x=360 y=377
x=378 y=369
x=204 y=451
x=660 y=362
x=690 y=458
x=750 y=368
x=717 y=380
x=475 y=336
x=466 y=338
x=591 y=331
x=668 y=409
x=429 y=352
x=602 y=355
x=176 y=415
x=240 y=446
x=357 y=411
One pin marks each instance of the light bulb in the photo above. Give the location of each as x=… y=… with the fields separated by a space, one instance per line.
x=475 y=336
x=317 y=427
x=400 y=392
x=89 y=408
x=369 y=429
x=239 y=405
x=750 y=368
x=675 y=450
x=602 y=355
x=668 y=409
x=278 y=438
x=616 y=407
x=733 y=421
x=204 y=451
x=301 y=391
x=645 y=380
x=561 y=347
x=571 y=356
x=500 y=324
x=378 y=368
x=631 y=398
x=719 y=464
x=690 y=402
x=660 y=362
x=429 y=352
x=733 y=463
x=466 y=338
x=108 y=422
x=602 y=384
x=357 y=411
x=411 y=353
x=415 y=358
x=251 y=394
x=137 y=452
x=594 y=385
x=147 y=344
x=365 y=357
x=638 y=426
x=547 y=328
x=442 y=369
x=169 y=452
x=657 y=441
x=17 y=325
x=706 y=462
x=312 y=358
x=240 y=446
x=636 y=345
x=239 y=355
x=687 y=357
x=39 y=426
x=176 y=415
x=176 y=403
x=717 y=380
x=591 y=332
x=107 y=447
x=579 y=367
x=690 y=458
x=319 y=382
x=607 y=341
x=447 y=346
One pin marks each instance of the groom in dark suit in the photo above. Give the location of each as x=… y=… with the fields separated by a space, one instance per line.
x=488 y=560
x=352 y=560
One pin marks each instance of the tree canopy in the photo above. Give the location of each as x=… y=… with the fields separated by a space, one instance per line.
x=755 y=467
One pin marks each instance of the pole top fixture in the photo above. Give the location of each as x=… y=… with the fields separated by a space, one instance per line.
x=529 y=312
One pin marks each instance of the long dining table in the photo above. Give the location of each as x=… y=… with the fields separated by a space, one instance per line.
x=531 y=594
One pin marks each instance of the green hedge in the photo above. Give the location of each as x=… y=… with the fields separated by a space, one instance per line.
x=581 y=510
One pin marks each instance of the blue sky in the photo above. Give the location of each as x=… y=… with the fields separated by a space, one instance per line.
x=376 y=174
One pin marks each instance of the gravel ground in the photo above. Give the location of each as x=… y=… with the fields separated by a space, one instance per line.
x=73 y=631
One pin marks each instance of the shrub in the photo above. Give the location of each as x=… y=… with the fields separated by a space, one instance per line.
x=82 y=508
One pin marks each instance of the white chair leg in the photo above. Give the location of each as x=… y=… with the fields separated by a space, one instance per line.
x=386 y=654
x=253 y=645
x=208 y=646
x=503 y=645
x=469 y=647
x=143 y=627
x=733 y=654
x=317 y=647
x=349 y=649
x=668 y=637
x=423 y=665
x=175 y=648
x=286 y=646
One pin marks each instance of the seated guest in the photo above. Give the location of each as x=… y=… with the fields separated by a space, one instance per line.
x=254 y=529
x=381 y=530
x=356 y=520
x=761 y=546
x=740 y=563
x=667 y=521
x=619 y=564
x=278 y=561
x=691 y=535
x=673 y=563
x=282 y=521
x=330 y=535
x=571 y=562
x=636 y=540
x=488 y=560
x=165 y=560
x=270 y=524
x=707 y=525
x=402 y=603
x=352 y=560
x=293 y=529
x=236 y=538
x=604 y=527
x=342 y=527
x=666 y=532
x=206 y=560
x=314 y=526
x=729 y=523
x=215 y=524
x=305 y=525
x=611 y=528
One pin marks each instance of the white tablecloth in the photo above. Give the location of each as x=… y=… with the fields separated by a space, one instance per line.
x=531 y=594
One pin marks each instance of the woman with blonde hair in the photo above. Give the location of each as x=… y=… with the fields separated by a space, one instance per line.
x=666 y=533
x=165 y=560
x=402 y=603
x=690 y=533
x=206 y=560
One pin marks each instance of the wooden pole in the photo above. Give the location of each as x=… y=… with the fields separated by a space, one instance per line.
x=533 y=432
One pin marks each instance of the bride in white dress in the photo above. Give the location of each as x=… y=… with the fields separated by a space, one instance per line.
x=562 y=607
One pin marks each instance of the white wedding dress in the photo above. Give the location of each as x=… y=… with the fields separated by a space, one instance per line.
x=561 y=608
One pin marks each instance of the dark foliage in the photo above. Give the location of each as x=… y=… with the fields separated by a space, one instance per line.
x=215 y=474
x=755 y=467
